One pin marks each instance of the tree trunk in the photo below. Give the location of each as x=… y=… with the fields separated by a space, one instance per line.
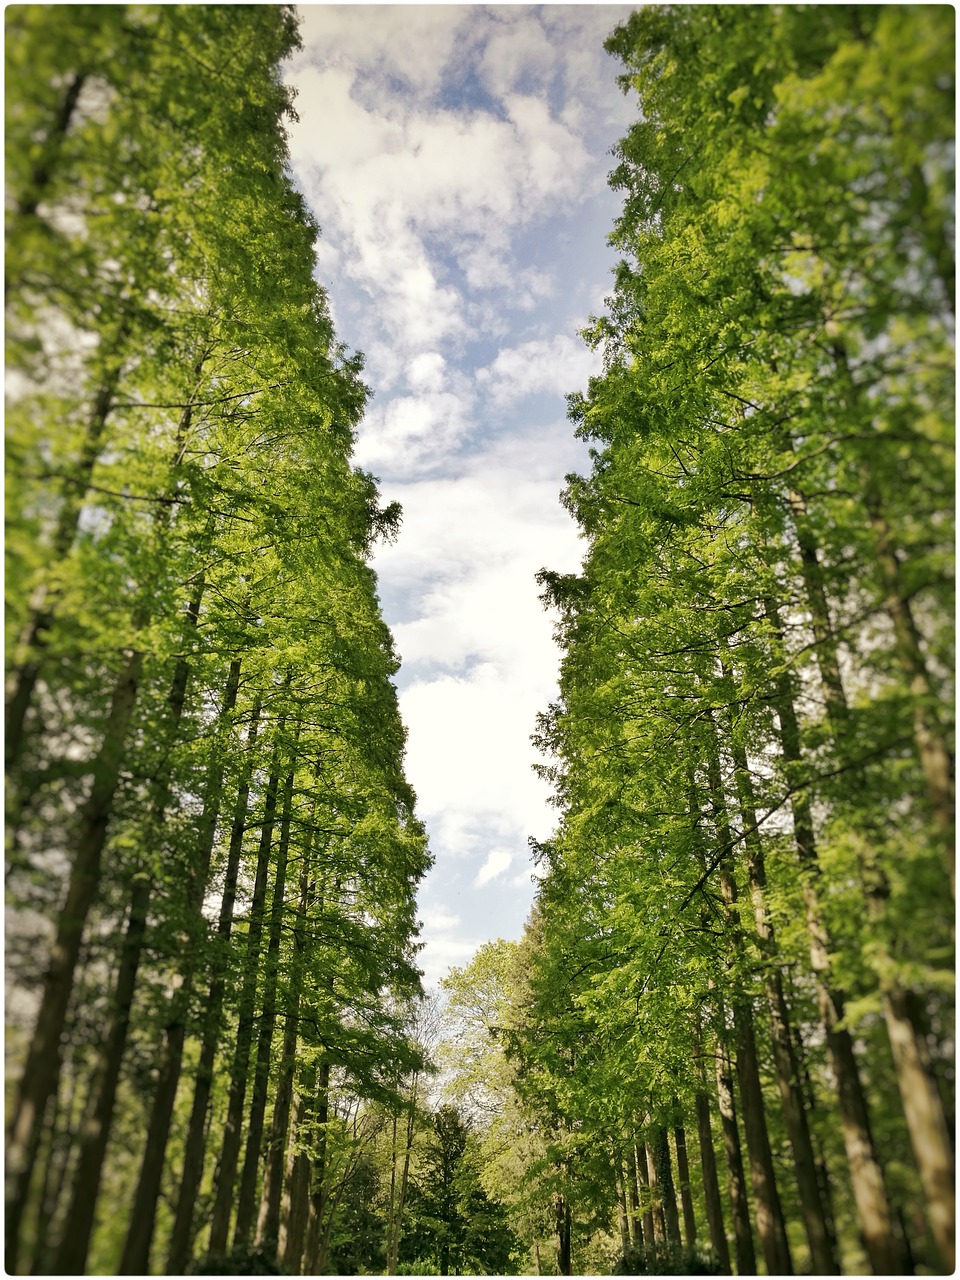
x=708 y=1164
x=770 y=1224
x=635 y=1219
x=71 y=1258
x=392 y=1215
x=393 y=1251
x=739 y=1203
x=810 y=1106
x=42 y=1069
x=318 y=1169
x=23 y=679
x=230 y=1152
x=268 y=1226
x=62 y=1134
x=564 y=1233
x=622 y=1221
x=643 y=1186
x=936 y=758
x=683 y=1179
x=72 y=1255
x=869 y=1187
x=923 y=1110
x=247 y=1198
x=293 y=1220
x=668 y=1194
x=143 y=1217
x=181 y=1238
x=815 y=1213
x=43 y=170
x=652 y=1174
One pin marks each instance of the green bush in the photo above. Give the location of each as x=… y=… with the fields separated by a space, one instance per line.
x=667 y=1260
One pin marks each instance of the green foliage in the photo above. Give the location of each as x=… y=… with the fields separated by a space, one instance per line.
x=769 y=515
x=453 y=1223
x=239 y=1262
x=668 y=1260
x=180 y=487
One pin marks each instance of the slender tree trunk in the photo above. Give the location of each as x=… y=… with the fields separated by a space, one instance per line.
x=392 y=1215
x=739 y=1201
x=43 y=170
x=810 y=1106
x=708 y=1163
x=652 y=1173
x=922 y=1107
x=143 y=1217
x=622 y=1220
x=646 y=1194
x=318 y=1171
x=873 y=1207
x=564 y=1233
x=770 y=1224
x=72 y=1255
x=936 y=757
x=293 y=1220
x=923 y=1110
x=230 y=1152
x=635 y=1219
x=247 y=1198
x=683 y=1180
x=181 y=1238
x=815 y=1213
x=268 y=1226
x=668 y=1194
x=393 y=1251
x=62 y=1133
x=42 y=1069
x=43 y=1061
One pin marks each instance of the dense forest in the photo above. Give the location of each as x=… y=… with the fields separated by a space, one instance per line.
x=724 y=1043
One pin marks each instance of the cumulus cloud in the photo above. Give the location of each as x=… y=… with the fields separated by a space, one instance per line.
x=412 y=45
x=554 y=365
x=413 y=189
x=469 y=756
x=497 y=862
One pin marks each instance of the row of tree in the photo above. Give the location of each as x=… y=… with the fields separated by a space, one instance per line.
x=744 y=927
x=212 y=849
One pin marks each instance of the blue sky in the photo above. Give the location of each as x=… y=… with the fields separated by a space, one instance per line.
x=456 y=158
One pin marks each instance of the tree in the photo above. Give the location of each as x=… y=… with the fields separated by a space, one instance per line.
x=200 y=703
x=773 y=352
x=454 y=1223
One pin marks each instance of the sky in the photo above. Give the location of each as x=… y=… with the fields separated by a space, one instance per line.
x=456 y=159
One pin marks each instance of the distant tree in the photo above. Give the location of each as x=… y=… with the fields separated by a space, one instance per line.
x=453 y=1222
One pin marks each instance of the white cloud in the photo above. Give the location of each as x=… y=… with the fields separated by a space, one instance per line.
x=413 y=43
x=556 y=365
x=441 y=954
x=411 y=433
x=385 y=171
x=439 y=919
x=426 y=372
x=469 y=756
x=497 y=862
